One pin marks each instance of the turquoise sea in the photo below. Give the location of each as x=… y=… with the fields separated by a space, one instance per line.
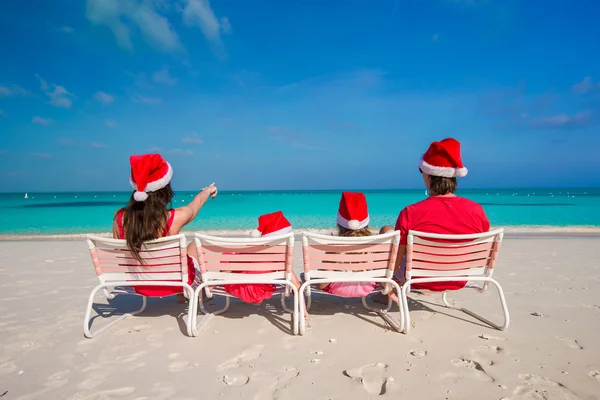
x=73 y=213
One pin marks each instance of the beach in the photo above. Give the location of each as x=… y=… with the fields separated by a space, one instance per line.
x=550 y=350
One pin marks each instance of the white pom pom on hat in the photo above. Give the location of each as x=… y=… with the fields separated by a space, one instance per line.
x=353 y=224
x=255 y=233
x=140 y=196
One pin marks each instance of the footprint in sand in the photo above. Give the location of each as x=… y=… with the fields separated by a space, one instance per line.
x=7 y=367
x=595 y=374
x=94 y=379
x=249 y=354
x=104 y=395
x=480 y=373
x=57 y=379
x=572 y=343
x=235 y=379
x=418 y=353
x=372 y=377
x=539 y=387
x=163 y=390
x=277 y=384
x=179 y=366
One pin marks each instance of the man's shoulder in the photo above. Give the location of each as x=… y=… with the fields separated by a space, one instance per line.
x=468 y=203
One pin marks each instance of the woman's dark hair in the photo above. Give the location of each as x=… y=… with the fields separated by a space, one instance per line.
x=146 y=220
x=439 y=185
x=343 y=231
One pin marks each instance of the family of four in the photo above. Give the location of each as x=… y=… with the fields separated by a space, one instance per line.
x=148 y=216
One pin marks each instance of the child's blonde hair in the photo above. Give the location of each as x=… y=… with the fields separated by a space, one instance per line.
x=342 y=231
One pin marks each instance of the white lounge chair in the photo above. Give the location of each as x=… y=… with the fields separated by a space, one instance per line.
x=165 y=265
x=221 y=260
x=350 y=259
x=444 y=258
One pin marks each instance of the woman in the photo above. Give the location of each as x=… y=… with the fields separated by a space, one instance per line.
x=149 y=215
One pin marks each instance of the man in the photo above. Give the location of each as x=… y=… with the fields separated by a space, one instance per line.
x=442 y=212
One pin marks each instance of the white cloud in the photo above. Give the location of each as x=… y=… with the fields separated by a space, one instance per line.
x=66 y=142
x=587 y=85
x=435 y=37
x=97 y=145
x=40 y=155
x=103 y=98
x=140 y=80
x=199 y=13
x=112 y=124
x=58 y=95
x=226 y=26
x=163 y=76
x=66 y=29
x=192 y=139
x=137 y=98
x=581 y=119
x=120 y=15
x=41 y=121
x=13 y=90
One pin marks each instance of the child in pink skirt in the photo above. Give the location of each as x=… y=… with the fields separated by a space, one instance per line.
x=352 y=221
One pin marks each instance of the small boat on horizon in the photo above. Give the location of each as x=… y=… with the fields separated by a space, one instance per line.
x=26 y=196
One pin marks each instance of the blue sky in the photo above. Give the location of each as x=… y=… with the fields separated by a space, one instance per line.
x=297 y=94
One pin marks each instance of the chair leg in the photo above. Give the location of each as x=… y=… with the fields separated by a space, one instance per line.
x=291 y=288
x=302 y=308
x=384 y=313
x=480 y=318
x=191 y=310
x=207 y=315
x=86 y=320
x=404 y=306
x=296 y=314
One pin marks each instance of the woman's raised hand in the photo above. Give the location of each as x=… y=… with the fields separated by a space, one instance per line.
x=211 y=190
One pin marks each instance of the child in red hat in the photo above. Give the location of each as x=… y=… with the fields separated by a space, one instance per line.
x=273 y=224
x=149 y=215
x=352 y=221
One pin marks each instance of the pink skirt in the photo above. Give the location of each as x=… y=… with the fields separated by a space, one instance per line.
x=350 y=289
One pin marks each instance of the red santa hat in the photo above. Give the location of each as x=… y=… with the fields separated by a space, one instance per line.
x=149 y=173
x=353 y=212
x=272 y=225
x=443 y=159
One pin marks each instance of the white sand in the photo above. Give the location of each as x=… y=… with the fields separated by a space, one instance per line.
x=250 y=353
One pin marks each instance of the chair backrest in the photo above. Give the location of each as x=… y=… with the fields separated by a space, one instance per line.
x=165 y=259
x=372 y=256
x=434 y=255
x=218 y=254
